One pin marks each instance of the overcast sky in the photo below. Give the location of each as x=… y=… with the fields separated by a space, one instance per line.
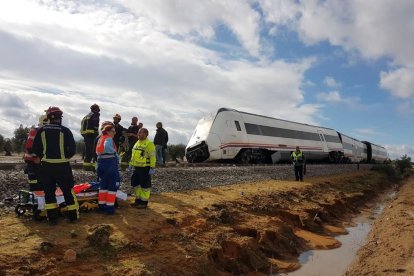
x=348 y=65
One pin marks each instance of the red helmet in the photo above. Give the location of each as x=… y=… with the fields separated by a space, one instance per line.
x=95 y=108
x=54 y=112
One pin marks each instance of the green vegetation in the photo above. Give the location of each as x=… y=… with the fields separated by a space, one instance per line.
x=396 y=169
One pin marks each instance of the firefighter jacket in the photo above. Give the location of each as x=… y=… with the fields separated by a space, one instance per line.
x=119 y=138
x=54 y=144
x=106 y=147
x=143 y=154
x=90 y=123
x=297 y=158
x=29 y=155
x=161 y=137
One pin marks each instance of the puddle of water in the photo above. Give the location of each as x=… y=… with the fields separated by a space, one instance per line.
x=335 y=261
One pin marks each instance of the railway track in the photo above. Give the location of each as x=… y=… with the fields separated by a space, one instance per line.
x=78 y=165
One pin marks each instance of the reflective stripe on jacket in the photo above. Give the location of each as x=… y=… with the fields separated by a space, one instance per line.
x=143 y=154
x=90 y=123
x=54 y=144
x=297 y=158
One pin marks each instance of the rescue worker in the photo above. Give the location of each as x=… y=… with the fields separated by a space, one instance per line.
x=32 y=168
x=107 y=169
x=120 y=131
x=298 y=159
x=160 y=141
x=54 y=146
x=89 y=132
x=132 y=138
x=143 y=164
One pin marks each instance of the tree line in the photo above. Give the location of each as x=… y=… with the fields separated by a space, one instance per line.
x=17 y=143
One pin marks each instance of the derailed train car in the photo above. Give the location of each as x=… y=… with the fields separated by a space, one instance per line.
x=234 y=136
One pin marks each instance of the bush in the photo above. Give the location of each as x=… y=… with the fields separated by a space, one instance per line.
x=403 y=165
x=175 y=151
x=387 y=169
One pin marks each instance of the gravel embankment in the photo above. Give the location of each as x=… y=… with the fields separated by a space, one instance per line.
x=183 y=178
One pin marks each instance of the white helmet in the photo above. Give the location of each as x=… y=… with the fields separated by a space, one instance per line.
x=43 y=120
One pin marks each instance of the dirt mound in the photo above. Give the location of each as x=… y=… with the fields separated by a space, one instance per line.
x=257 y=227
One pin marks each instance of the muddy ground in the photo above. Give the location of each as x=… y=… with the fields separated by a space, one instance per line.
x=244 y=229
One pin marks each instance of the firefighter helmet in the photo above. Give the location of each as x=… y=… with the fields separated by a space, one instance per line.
x=54 y=112
x=117 y=116
x=95 y=108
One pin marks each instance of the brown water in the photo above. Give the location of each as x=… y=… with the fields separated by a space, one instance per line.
x=336 y=261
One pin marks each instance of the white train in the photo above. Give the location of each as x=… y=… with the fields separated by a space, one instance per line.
x=231 y=135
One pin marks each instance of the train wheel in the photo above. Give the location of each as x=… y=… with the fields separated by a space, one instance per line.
x=245 y=157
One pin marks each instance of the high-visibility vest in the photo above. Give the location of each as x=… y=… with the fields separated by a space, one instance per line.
x=87 y=127
x=143 y=154
x=297 y=157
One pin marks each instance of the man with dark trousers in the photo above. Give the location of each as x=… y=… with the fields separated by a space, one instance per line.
x=54 y=146
x=89 y=132
x=298 y=159
x=160 y=142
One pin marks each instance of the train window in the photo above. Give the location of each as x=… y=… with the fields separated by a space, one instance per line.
x=237 y=125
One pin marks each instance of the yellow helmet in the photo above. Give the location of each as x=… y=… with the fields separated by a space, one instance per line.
x=117 y=116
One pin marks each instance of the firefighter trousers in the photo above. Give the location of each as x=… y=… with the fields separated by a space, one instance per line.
x=61 y=174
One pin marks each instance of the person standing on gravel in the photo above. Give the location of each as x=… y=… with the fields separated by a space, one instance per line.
x=298 y=159
x=160 y=141
x=32 y=168
x=89 y=132
x=107 y=170
x=143 y=164
x=54 y=146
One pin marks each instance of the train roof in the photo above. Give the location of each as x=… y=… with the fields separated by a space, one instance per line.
x=247 y=113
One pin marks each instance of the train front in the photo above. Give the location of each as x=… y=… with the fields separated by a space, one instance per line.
x=197 y=148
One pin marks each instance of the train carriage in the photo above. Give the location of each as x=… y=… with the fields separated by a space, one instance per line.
x=248 y=138
x=354 y=151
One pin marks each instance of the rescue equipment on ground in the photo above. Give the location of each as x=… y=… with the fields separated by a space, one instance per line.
x=33 y=202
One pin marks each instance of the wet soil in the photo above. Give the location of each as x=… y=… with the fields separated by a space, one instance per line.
x=251 y=229
x=389 y=248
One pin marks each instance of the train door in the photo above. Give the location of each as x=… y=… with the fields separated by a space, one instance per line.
x=323 y=141
x=233 y=135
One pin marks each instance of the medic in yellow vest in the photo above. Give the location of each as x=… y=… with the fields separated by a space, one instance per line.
x=143 y=165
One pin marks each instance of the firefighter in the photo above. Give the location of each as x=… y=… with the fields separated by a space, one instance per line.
x=54 y=146
x=107 y=170
x=32 y=168
x=89 y=132
x=298 y=159
x=119 y=131
x=132 y=138
x=143 y=164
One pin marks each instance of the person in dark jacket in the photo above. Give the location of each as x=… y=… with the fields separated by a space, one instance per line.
x=120 y=131
x=132 y=138
x=54 y=146
x=160 y=142
x=89 y=132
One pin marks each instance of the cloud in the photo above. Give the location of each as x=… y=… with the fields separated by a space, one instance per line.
x=336 y=97
x=367 y=29
x=331 y=82
x=73 y=54
x=397 y=151
x=399 y=82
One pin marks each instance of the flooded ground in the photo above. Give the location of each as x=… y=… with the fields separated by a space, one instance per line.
x=336 y=261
